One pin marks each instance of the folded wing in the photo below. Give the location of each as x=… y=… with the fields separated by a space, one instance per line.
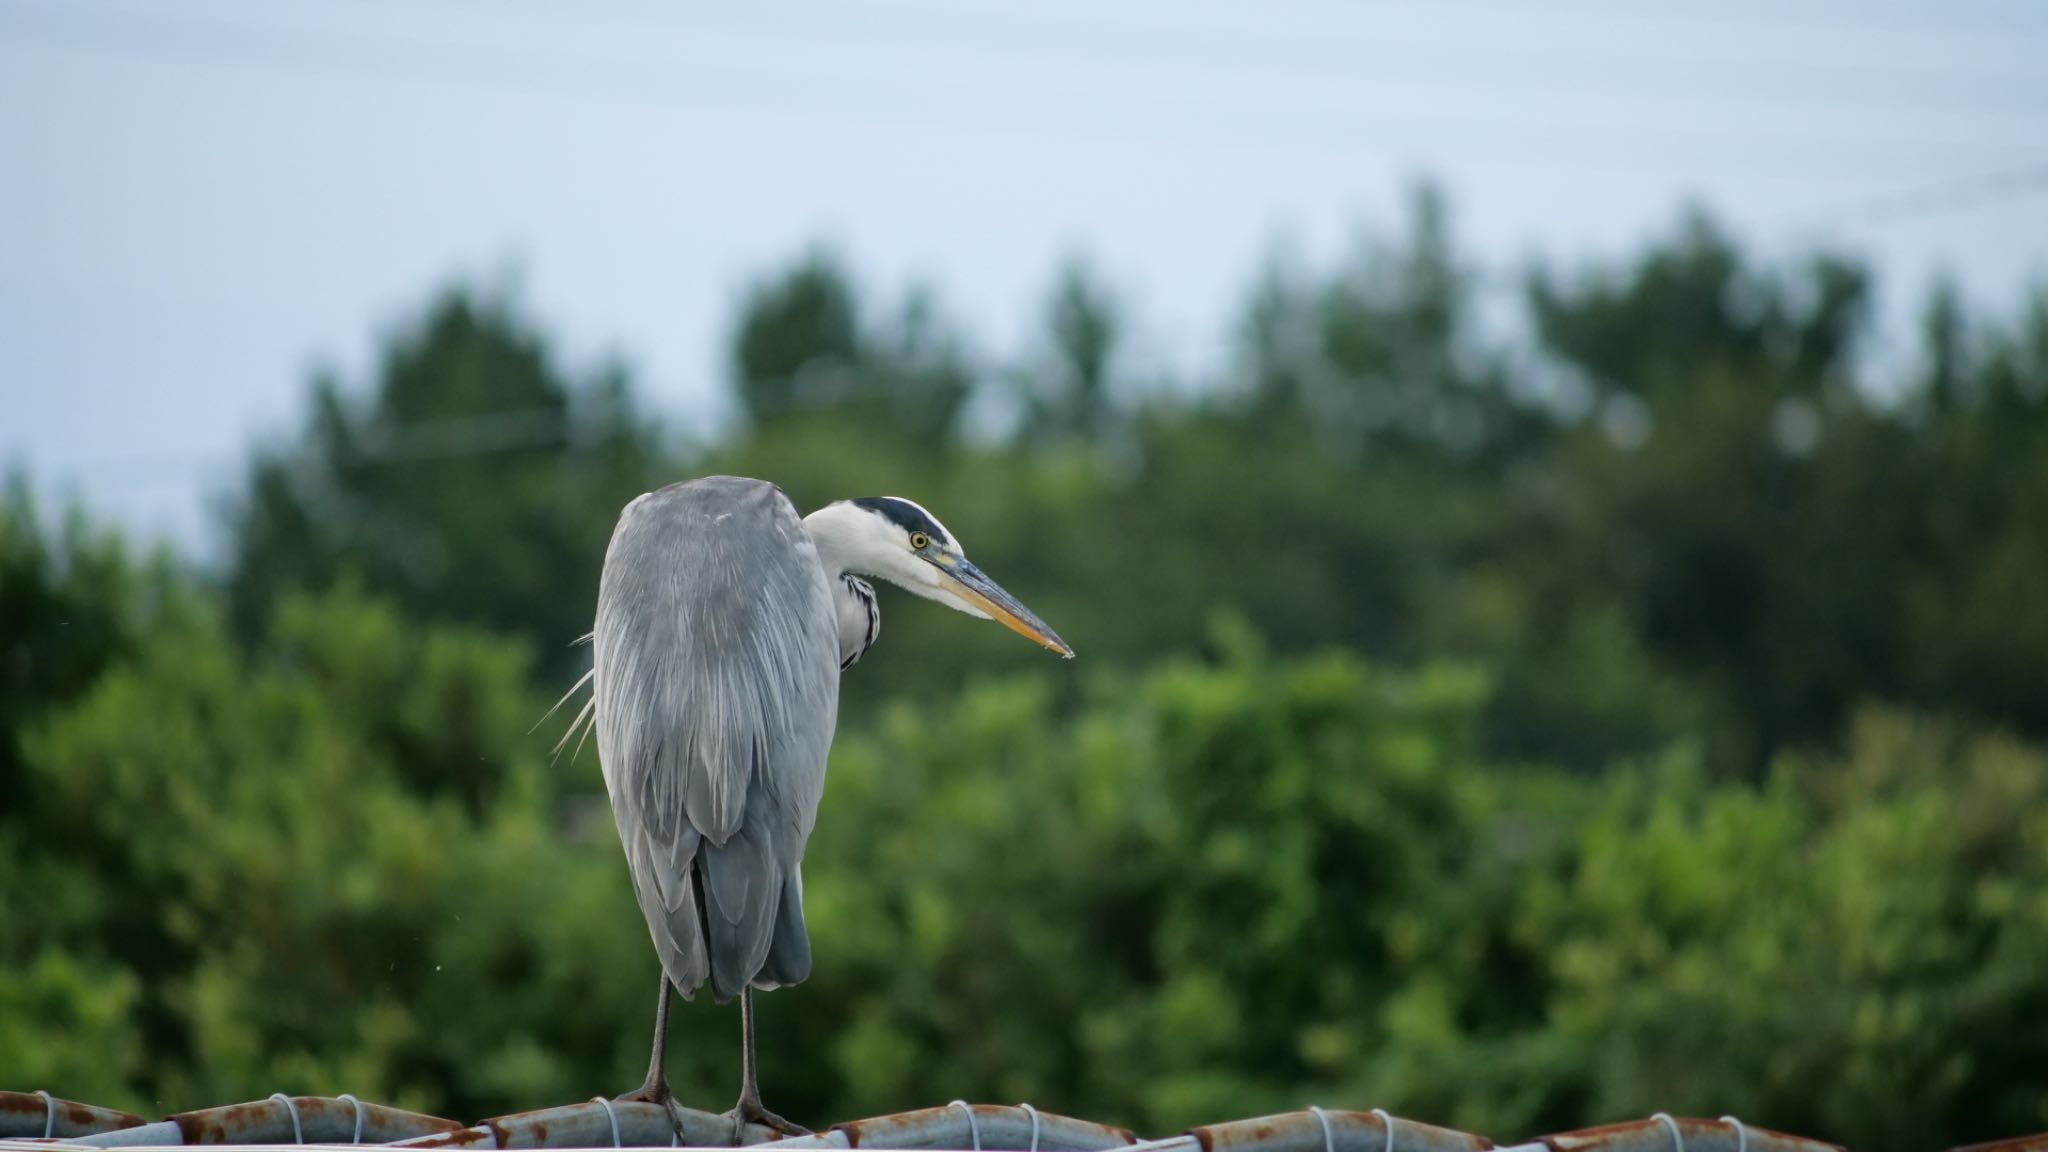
x=716 y=679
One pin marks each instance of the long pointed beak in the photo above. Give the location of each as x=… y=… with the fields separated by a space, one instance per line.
x=972 y=585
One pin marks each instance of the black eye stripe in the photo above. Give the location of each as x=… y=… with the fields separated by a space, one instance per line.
x=904 y=515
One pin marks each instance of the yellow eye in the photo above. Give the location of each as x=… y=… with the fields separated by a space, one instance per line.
x=919 y=541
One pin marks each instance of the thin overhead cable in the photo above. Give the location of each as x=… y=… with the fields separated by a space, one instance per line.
x=1950 y=19
x=493 y=432
x=1040 y=36
x=1511 y=139
x=1939 y=199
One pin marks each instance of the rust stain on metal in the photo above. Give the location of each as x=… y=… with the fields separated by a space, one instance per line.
x=26 y=1114
x=1604 y=1135
x=29 y=1113
x=1652 y=1133
x=379 y=1114
x=193 y=1127
x=228 y=1124
x=27 y=1105
x=461 y=1138
x=2035 y=1143
x=314 y=1110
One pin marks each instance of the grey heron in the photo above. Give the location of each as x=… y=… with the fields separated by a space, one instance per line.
x=723 y=623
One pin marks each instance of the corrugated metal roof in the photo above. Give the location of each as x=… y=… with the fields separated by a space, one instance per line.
x=37 y=1121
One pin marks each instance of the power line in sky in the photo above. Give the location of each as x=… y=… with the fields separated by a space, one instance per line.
x=1048 y=36
x=1772 y=18
x=1933 y=200
x=566 y=67
x=556 y=427
x=1515 y=140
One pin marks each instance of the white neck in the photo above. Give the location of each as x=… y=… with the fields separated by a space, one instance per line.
x=854 y=541
x=849 y=541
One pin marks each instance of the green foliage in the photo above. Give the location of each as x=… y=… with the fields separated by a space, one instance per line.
x=1515 y=735
x=804 y=354
x=252 y=857
x=1069 y=395
x=1851 y=948
x=1696 y=303
x=464 y=483
x=1680 y=511
x=69 y=604
x=1224 y=889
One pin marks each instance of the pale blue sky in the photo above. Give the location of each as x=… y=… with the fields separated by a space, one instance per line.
x=201 y=200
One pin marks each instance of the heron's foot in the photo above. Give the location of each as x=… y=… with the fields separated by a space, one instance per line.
x=652 y=1092
x=749 y=1111
x=675 y=1121
x=656 y=1092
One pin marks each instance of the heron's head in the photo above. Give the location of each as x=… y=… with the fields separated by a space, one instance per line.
x=893 y=539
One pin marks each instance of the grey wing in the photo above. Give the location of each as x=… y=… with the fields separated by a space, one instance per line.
x=716 y=678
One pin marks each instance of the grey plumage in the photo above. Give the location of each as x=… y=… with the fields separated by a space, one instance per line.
x=723 y=621
x=716 y=684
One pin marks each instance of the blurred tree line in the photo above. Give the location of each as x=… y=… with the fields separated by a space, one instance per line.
x=1639 y=712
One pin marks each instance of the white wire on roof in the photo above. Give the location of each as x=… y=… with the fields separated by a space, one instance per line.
x=292 y=1110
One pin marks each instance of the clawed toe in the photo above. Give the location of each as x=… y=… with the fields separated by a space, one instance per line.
x=750 y=1112
x=660 y=1095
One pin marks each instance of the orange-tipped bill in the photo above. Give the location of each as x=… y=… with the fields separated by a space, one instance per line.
x=986 y=596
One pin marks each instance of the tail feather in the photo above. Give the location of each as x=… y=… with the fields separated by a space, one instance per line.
x=789 y=956
x=729 y=914
x=743 y=886
x=672 y=904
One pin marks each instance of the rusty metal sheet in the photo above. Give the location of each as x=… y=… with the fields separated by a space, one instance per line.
x=2038 y=1142
x=826 y=1139
x=589 y=1125
x=961 y=1126
x=30 y=1115
x=320 y=1120
x=1345 y=1132
x=160 y=1134
x=297 y=1122
x=1693 y=1135
x=36 y=1144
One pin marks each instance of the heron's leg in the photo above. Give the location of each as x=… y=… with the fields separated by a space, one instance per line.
x=654 y=1090
x=749 y=1110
